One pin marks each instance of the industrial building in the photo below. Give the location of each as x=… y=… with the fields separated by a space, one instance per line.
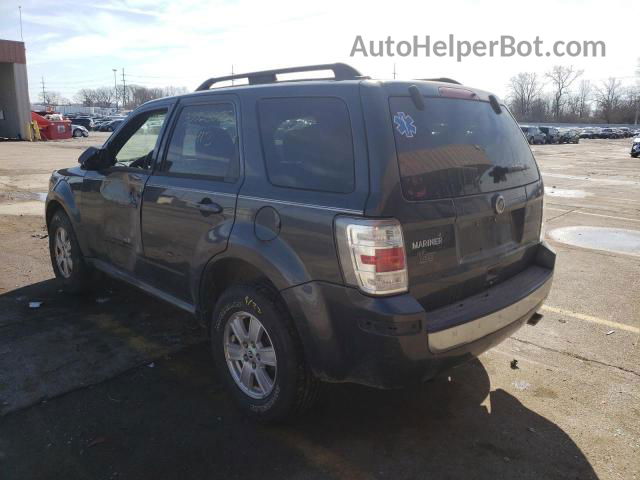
x=15 y=108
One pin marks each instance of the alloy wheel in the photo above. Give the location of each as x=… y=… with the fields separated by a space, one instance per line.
x=62 y=248
x=250 y=355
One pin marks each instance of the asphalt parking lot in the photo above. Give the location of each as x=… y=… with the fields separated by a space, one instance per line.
x=119 y=385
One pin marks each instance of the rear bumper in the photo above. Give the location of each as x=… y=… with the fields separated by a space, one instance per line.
x=392 y=342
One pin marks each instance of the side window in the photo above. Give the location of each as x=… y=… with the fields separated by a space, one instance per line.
x=307 y=143
x=205 y=142
x=140 y=139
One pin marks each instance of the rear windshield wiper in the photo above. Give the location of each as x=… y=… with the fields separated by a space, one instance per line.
x=499 y=173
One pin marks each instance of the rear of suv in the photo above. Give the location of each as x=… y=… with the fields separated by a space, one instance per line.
x=340 y=230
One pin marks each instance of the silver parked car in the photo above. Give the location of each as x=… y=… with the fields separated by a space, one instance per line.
x=79 y=131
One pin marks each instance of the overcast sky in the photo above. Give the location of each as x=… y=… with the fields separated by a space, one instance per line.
x=76 y=44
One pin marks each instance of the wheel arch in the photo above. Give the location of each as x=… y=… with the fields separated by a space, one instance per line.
x=221 y=273
x=61 y=198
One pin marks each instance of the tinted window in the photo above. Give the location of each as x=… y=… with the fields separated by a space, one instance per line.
x=307 y=143
x=205 y=142
x=458 y=147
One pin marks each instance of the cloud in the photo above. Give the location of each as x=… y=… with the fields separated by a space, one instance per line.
x=162 y=42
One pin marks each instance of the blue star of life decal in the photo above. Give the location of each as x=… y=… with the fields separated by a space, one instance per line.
x=404 y=124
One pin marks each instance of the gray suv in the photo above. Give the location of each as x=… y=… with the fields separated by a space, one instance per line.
x=534 y=135
x=328 y=230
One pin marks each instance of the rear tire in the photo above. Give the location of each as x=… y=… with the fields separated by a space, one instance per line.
x=66 y=258
x=249 y=321
x=77 y=133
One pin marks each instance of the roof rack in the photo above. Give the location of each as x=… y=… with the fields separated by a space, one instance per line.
x=441 y=79
x=341 y=71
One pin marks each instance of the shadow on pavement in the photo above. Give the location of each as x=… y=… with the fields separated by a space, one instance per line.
x=71 y=341
x=175 y=421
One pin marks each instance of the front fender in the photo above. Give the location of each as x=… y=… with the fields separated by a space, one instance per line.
x=62 y=196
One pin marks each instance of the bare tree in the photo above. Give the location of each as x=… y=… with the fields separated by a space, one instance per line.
x=637 y=112
x=132 y=97
x=584 y=99
x=524 y=89
x=170 y=91
x=608 y=96
x=561 y=79
x=540 y=108
x=103 y=96
x=572 y=112
x=632 y=104
x=49 y=97
x=86 y=96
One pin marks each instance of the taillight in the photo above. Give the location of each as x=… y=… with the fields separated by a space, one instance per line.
x=372 y=255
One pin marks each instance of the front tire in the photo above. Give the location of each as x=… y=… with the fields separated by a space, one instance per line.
x=77 y=133
x=257 y=351
x=66 y=258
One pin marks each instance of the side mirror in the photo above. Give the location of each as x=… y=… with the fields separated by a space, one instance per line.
x=93 y=159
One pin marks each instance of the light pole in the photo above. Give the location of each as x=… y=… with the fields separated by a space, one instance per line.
x=115 y=87
x=20 y=11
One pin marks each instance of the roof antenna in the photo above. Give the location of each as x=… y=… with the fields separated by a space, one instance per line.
x=416 y=97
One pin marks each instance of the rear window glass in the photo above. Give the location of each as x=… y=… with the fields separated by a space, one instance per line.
x=307 y=143
x=458 y=147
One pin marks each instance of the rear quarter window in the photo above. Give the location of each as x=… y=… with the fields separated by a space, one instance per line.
x=307 y=143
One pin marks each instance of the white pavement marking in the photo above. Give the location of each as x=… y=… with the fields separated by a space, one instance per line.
x=590 y=318
x=594 y=214
x=608 y=181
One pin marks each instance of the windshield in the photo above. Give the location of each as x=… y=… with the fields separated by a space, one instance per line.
x=458 y=147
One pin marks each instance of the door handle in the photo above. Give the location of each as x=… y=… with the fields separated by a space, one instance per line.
x=207 y=205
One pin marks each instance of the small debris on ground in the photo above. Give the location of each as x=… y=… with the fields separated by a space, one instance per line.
x=96 y=441
x=514 y=364
x=102 y=299
x=151 y=365
x=35 y=304
x=40 y=235
x=562 y=320
x=610 y=332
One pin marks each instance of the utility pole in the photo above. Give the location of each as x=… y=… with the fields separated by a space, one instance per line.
x=115 y=86
x=124 y=91
x=44 y=95
x=232 y=74
x=394 y=71
x=20 y=13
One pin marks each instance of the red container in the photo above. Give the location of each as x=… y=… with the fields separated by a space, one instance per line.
x=58 y=130
x=52 y=129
